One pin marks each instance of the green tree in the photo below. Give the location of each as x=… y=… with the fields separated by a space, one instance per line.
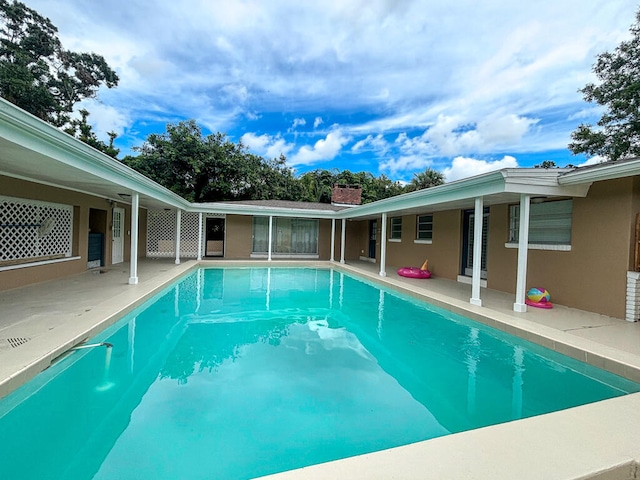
x=317 y=185
x=617 y=134
x=274 y=180
x=81 y=129
x=546 y=164
x=427 y=179
x=211 y=168
x=37 y=73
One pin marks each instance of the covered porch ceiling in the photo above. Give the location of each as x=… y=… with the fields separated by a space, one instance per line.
x=35 y=151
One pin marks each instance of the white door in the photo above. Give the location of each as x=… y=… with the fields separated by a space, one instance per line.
x=117 y=247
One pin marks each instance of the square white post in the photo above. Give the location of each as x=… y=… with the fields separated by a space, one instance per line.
x=178 y=219
x=383 y=246
x=270 y=234
x=133 y=260
x=333 y=239
x=199 y=236
x=523 y=251
x=342 y=239
x=477 y=252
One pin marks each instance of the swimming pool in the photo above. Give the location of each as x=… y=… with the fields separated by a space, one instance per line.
x=235 y=373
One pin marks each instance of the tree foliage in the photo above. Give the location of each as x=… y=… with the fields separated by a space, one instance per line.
x=317 y=185
x=81 y=129
x=617 y=134
x=210 y=168
x=427 y=179
x=37 y=73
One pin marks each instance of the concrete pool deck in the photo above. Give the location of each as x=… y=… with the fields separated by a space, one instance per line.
x=601 y=440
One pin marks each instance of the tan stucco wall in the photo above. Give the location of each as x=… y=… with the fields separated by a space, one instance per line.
x=356 y=240
x=238 y=237
x=592 y=276
x=324 y=239
x=82 y=220
x=443 y=253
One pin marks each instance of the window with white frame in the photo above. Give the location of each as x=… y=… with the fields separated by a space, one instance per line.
x=424 y=228
x=395 y=232
x=549 y=223
x=289 y=236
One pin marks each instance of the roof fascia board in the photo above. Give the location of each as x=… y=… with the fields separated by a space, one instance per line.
x=30 y=132
x=604 y=172
x=259 y=211
x=478 y=186
x=537 y=181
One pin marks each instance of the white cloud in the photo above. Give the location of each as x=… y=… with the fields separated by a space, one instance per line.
x=586 y=113
x=235 y=93
x=324 y=149
x=593 y=161
x=405 y=163
x=105 y=119
x=454 y=135
x=298 y=122
x=503 y=129
x=508 y=83
x=266 y=145
x=463 y=167
x=377 y=144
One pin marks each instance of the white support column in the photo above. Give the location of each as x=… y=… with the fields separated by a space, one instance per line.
x=133 y=261
x=270 y=235
x=383 y=246
x=199 y=236
x=177 y=243
x=343 y=234
x=477 y=252
x=333 y=238
x=523 y=252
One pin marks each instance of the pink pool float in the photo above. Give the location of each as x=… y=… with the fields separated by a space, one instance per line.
x=416 y=272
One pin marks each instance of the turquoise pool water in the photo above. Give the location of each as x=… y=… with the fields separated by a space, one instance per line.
x=237 y=373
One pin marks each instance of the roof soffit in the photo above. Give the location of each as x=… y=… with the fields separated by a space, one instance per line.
x=32 y=140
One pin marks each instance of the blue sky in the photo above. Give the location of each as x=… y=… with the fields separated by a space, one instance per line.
x=386 y=86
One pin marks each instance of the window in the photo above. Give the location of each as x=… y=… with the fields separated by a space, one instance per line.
x=260 y=235
x=292 y=236
x=395 y=232
x=424 y=230
x=549 y=223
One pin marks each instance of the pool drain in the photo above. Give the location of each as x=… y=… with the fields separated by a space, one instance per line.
x=13 y=342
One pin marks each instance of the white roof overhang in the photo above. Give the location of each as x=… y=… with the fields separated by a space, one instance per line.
x=600 y=172
x=33 y=150
x=498 y=187
x=243 y=209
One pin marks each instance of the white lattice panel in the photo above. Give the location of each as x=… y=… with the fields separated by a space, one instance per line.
x=30 y=229
x=189 y=234
x=161 y=233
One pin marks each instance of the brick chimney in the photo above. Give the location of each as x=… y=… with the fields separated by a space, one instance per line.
x=346 y=195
